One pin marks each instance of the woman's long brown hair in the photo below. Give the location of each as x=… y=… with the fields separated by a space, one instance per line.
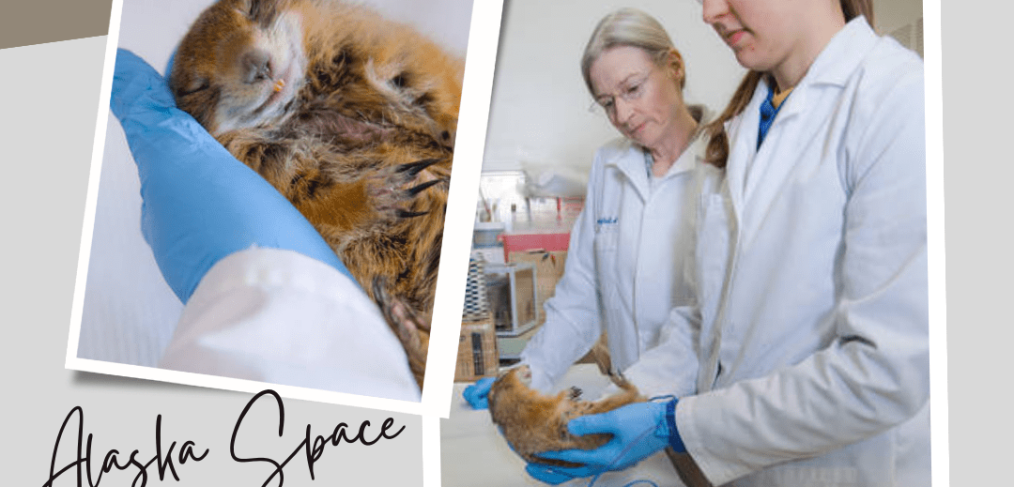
x=718 y=145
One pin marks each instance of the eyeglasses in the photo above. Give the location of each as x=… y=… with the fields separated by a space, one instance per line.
x=632 y=89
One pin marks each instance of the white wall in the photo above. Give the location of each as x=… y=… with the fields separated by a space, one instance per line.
x=539 y=104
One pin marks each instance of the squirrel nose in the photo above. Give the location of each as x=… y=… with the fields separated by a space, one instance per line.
x=256 y=66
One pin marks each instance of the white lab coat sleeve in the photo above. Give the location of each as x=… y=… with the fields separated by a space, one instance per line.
x=279 y=317
x=573 y=321
x=671 y=367
x=875 y=373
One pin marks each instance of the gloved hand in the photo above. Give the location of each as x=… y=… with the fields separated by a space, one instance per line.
x=477 y=394
x=200 y=203
x=639 y=430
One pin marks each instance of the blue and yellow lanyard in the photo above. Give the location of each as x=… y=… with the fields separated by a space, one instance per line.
x=772 y=104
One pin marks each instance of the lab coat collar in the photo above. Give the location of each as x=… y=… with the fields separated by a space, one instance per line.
x=842 y=55
x=835 y=64
x=628 y=158
x=690 y=156
x=832 y=68
x=742 y=133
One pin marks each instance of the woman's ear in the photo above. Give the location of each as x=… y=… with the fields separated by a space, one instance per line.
x=674 y=66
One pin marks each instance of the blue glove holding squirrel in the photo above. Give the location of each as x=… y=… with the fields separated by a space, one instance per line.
x=201 y=204
x=639 y=430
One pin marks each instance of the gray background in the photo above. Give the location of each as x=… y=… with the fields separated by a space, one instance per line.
x=49 y=112
x=979 y=243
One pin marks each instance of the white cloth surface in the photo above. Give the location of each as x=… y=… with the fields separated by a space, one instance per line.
x=624 y=267
x=812 y=279
x=279 y=317
x=473 y=452
x=129 y=312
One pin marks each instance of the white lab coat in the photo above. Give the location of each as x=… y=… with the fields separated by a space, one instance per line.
x=811 y=278
x=280 y=317
x=624 y=264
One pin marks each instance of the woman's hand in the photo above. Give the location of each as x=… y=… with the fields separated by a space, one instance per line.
x=477 y=394
x=638 y=431
x=200 y=203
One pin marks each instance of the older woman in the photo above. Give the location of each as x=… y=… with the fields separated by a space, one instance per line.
x=623 y=270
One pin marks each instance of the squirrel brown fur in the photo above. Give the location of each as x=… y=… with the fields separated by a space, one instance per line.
x=352 y=117
x=534 y=423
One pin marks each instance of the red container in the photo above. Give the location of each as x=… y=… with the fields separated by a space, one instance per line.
x=520 y=242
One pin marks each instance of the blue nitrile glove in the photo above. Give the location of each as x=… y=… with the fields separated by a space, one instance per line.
x=639 y=430
x=200 y=203
x=477 y=394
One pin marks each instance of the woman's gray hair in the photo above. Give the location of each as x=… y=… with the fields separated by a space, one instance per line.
x=627 y=27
